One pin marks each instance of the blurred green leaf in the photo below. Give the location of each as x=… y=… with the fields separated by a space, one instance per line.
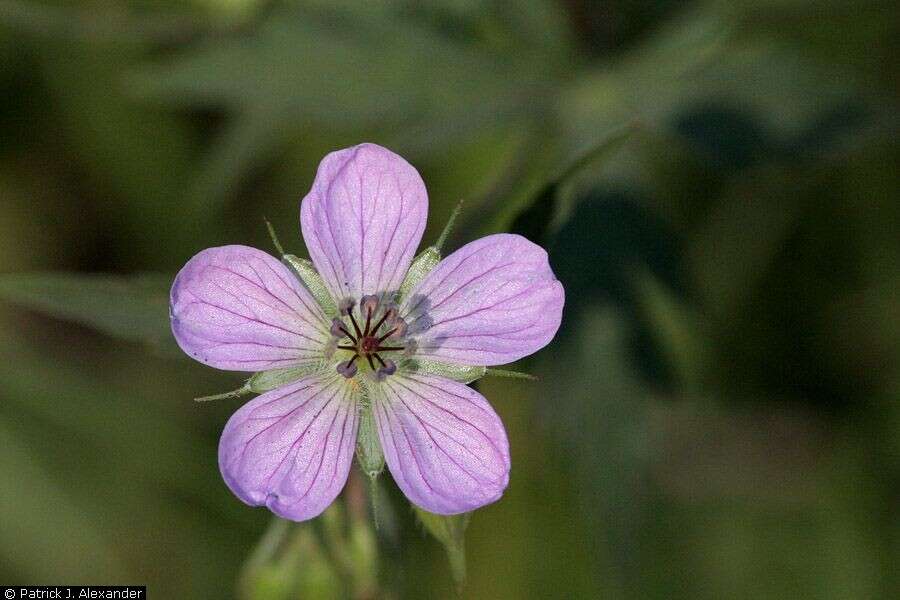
x=37 y=509
x=347 y=69
x=133 y=308
x=732 y=250
x=288 y=562
x=134 y=158
x=677 y=330
x=540 y=214
x=604 y=437
x=113 y=23
x=451 y=532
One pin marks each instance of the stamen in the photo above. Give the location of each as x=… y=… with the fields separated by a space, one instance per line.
x=366 y=343
x=347 y=368
x=387 y=335
x=367 y=306
x=338 y=329
x=400 y=327
x=378 y=324
x=389 y=368
x=346 y=306
x=355 y=326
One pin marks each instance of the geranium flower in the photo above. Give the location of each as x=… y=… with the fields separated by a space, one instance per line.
x=368 y=336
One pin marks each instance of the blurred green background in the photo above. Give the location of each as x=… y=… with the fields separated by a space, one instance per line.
x=716 y=182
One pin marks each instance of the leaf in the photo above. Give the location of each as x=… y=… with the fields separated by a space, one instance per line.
x=288 y=562
x=305 y=67
x=603 y=433
x=451 y=532
x=678 y=331
x=37 y=509
x=540 y=214
x=137 y=155
x=133 y=308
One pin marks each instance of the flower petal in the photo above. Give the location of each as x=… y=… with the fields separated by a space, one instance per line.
x=491 y=302
x=291 y=449
x=363 y=219
x=444 y=444
x=238 y=308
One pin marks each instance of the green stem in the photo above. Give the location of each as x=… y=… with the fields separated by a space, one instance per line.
x=610 y=142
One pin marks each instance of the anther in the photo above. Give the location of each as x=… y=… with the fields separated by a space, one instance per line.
x=348 y=368
x=338 y=329
x=346 y=306
x=389 y=368
x=400 y=327
x=368 y=305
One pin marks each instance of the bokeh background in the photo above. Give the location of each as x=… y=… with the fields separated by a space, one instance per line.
x=716 y=182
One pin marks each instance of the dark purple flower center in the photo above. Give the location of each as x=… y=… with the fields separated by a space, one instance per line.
x=369 y=342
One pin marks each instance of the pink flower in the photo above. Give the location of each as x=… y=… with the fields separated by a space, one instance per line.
x=368 y=339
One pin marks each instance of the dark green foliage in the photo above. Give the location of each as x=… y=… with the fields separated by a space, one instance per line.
x=716 y=183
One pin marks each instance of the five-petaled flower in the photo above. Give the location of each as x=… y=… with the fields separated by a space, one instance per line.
x=366 y=336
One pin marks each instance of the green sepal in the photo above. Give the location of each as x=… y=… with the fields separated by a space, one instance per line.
x=368 y=447
x=241 y=391
x=274 y=236
x=421 y=266
x=313 y=282
x=510 y=374
x=449 y=530
x=448 y=226
x=460 y=373
x=269 y=380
